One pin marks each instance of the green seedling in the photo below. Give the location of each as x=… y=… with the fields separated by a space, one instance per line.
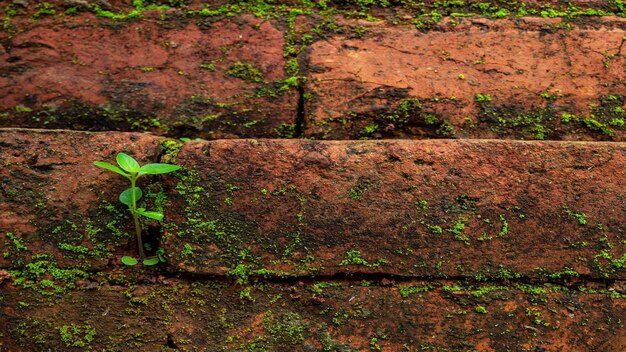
x=130 y=168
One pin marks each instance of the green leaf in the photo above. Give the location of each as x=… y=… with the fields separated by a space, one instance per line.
x=155 y=169
x=127 y=198
x=110 y=167
x=150 y=214
x=127 y=163
x=129 y=260
x=151 y=261
x=161 y=255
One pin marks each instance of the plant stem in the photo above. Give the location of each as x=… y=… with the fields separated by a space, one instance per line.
x=133 y=210
x=138 y=233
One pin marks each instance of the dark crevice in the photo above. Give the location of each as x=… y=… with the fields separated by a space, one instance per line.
x=152 y=230
x=383 y=279
x=299 y=130
x=170 y=342
x=47 y=168
x=151 y=238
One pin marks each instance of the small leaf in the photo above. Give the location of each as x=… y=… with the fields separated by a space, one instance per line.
x=127 y=163
x=151 y=261
x=151 y=214
x=129 y=260
x=155 y=169
x=127 y=198
x=110 y=167
x=161 y=254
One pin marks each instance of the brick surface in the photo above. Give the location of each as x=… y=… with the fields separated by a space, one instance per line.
x=218 y=80
x=51 y=195
x=472 y=239
x=312 y=316
x=494 y=209
x=407 y=208
x=480 y=79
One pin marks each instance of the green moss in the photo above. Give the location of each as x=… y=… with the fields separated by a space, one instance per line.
x=99 y=250
x=466 y=202
x=406 y=291
x=245 y=71
x=31 y=330
x=435 y=229
x=353 y=257
x=541 y=123
x=208 y=66
x=230 y=11
x=457 y=230
x=530 y=289
x=13 y=245
x=566 y=117
x=45 y=277
x=44 y=9
x=421 y=204
x=368 y=130
x=481 y=310
x=580 y=217
x=408 y=114
x=617 y=122
x=278 y=88
x=566 y=273
x=484 y=290
x=22 y=109
x=292 y=68
x=506 y=274
x=405 y=111
x=482 y=98
x=535 y=315
x=374 y=346
x=285 y=328
x=9 y=12
x=356 y=192
x=285 y=130
x=170 y=149
x=319 y=287
x=77 y=335
x=137 y=12
x=607 y=263
x=340 y=317
x=446 y=130
x=71 y=11
x=596 y=125
x=187 y=251
x=114 y=15
x=504 y=230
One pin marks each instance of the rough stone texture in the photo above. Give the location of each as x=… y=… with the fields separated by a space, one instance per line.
x=166 y=71
x=244 y=216
x=29 y=7
x=305 y=245
x=407 y=208
x=93 y=74
x=316 y=316
x=359 y=83
x=497 y=209
x=52 y=196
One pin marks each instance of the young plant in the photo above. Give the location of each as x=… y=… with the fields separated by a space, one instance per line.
x=130 y=168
